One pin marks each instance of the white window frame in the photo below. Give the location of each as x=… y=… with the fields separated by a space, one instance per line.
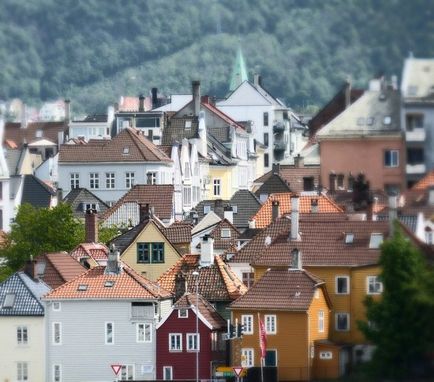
x=193 y=337
x=247 y=322
x=394 y=158
x=127 y=371
x=57 y=327
x=177 y=335
x=325 y=355
x=106 y=333
x=348 y=284
x=22 y=371
x=139 y=333
x=22 y=335
x=170 y=370
x=129 y=179
x=57 y=306
x=347 y=329
x=247 y=357
x=206 y=209
x=373 y=280
x=93 y=180
x=225 y=233
x=74 y=180
x=152 y=175
x=183 y=315
x=270 y=323
x=57 y=373
x=321 y=321
x=110 y=180
x=217 y=186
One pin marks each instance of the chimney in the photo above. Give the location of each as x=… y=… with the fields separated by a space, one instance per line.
x=295 y=217
x=347 y=93
x=110 y=116
x=393 y=212
x=154 y=92
x=207 y=251
x=206 y=99
x=23 y=116
x=29 y=268
x=59 y=194
x=431 y=195
x=252 y=224
x=298 y=161
x=141 y=102
x=296 y=259
x=91 y=226
x=60 y=139
x=274 y=210
x=196 y=97
x=144 y=212
x=276 y=168
x=180 y=285
x=257 y=79
x=314 y=206
x=67 y=111
x=228 y=214
x=113 y=262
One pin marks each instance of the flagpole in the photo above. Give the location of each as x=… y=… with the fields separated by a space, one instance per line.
x=260 y=346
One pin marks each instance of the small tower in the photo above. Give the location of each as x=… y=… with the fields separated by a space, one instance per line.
x=239 y=71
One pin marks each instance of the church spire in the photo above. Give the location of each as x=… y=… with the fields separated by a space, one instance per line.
x=239 y=71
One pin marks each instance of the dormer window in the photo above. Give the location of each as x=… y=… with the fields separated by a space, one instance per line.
x=226 y=233
x=349 y=238
x=376 y=240
x=183 y=313
x=82 y=287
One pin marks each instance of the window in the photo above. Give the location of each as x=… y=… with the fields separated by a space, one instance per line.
x=93 y=180
x=144 y=332
x=271 y=358
x=235 y=209
x=342 y=285
x=187 y=170
x=151 y=177
x=247 y=322
x=175 y=342
x=308 y=183
x=266 y=139
x=325 y=355
x=129 y=179
x=429 y=237
x=110 y=180
x=340 y=179
x=157 y=252
x=155 y=249
x=350 y=182
x=321 y=321
x=126 y=150
x=376 y=240
x=143 y=253
x=265 y=119
x=414 y=121
x=349 y=238
x=206 y=209
x=226 y=233
x=109 y=333
x=22 y=371
x=9 y=301
x=270 y=324
x=415 y=155
x=193 y=342
x=57 y=333
x=387 y=120
x=266 y=160
x=82 y=287
x=342 y=322
x=127 y=373
x=186 y=195
x=217 y=187
x=22 y=338
x=167 y=373
x=90 y=206
x=56 y=306
x=75 y=180
x=247 y=357
x=187 y=125
x=182 y=313
x=142 y=310
x=248 y=278
x=391 y=158
x=374 y=285
x=57 y=373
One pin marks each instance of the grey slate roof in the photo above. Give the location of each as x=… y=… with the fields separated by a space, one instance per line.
x=410 y=221
x=217 y=206
x=77 y=196
x=247 y=205
x=27 y=295
x=36 y=193
x=273 y=185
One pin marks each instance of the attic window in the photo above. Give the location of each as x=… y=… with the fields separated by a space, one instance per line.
x=349 y=238
x=82 y=287
x=376 y=240
x=183 y=313
x=109 y=283
x=235 y=209
x=370 y=121
x=360 y=121
x=206 y=209
x=187 y=125
x=226 y=233
x=126 y=150
x=38 y=133
x=9 y=301
x=387 y=120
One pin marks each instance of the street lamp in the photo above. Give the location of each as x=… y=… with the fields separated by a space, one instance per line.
x=196 y=276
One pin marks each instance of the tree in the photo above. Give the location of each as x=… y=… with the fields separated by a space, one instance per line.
x=401 y=324
x=40 y=230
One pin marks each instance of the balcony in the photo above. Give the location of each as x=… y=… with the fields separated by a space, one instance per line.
x=279 y=145
x=419 y=168
x=415 y=135
x=278 y=127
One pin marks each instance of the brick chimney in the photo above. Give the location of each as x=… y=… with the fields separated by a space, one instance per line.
x=196 y=97
x=144 y=212
x=141 y=102
x=298 y=161
x=275 y=210
x=91 y=226
x=180 y=285
x=276 y=168
x=29 y=268
x=295 y=216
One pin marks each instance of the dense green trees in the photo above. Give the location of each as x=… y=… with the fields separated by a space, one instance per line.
x=401 y=324
x=93 y=51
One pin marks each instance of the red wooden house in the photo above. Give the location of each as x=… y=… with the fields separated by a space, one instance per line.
x=177 y=340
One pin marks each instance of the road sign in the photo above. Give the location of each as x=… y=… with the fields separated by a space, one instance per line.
x=238 y=370
x=116 y=368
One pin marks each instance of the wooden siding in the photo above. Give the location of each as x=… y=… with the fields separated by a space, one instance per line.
x=151 y=234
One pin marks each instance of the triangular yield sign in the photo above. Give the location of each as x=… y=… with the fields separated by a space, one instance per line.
x=116 y=369
x=238 y=370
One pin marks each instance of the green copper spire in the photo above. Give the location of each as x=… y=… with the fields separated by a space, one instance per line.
x=239 y=71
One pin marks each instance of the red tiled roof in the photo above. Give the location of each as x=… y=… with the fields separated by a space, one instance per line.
x=291 y=290
x=130 y=145
x=264 y=216
x=426 y=182
x=95 y=251
x=127 y=285
x=178 y=232
x=128 y=103
x=14 y=132
x=222 y=242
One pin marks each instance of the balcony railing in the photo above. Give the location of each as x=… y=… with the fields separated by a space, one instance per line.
x=415 y=135
x=419 y=168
